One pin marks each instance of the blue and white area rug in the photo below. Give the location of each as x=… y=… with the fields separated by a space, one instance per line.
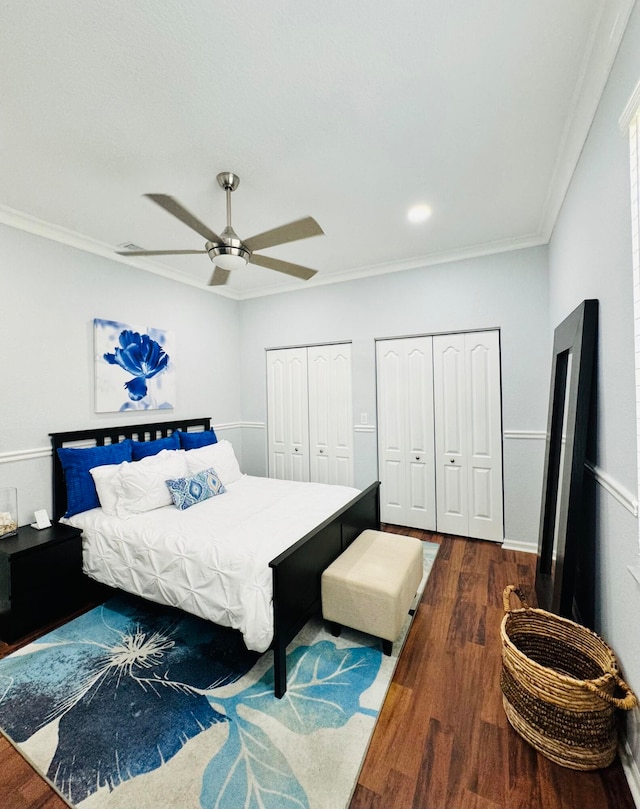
x=132 y=706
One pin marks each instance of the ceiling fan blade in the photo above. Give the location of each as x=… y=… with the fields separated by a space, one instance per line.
x=158 y=252
x=219 y=277
x=300 y=229
x=287 y=267
x=173 y=207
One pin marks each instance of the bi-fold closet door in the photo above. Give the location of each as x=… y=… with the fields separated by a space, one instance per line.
x=440 y=433
x=309 y=414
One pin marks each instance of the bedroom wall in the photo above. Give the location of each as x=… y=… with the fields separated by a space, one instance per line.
x=590 y=257
x=508 y=291
x=50 y=294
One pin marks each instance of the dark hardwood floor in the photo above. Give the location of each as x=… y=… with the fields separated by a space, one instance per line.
x=442 y=740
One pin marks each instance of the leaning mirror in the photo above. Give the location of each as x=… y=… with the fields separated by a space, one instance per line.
x=562 y=512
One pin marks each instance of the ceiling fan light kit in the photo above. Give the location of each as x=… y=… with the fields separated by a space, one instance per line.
x=227 y=251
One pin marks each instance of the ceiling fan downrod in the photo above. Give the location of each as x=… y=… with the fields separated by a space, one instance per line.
x=231 y=255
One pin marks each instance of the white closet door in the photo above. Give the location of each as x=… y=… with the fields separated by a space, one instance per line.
x=405 y=431
x=450 y=394
x=288 y=414
x=484 y=429
x=330 y=414
x=468 y=428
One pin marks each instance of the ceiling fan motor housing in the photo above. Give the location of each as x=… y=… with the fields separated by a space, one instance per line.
x=230 y=254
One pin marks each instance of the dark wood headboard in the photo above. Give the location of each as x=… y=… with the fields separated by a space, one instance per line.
x=100 y=436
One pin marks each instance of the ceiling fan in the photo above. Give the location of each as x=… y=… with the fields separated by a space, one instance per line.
x=227 y=251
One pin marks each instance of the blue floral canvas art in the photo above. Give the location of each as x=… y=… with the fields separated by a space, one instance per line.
x=134 y=367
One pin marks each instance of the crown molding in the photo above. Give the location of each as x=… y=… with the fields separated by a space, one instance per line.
x=70 y=238
x=417 y=263
x=606 y=35
x=47 y=230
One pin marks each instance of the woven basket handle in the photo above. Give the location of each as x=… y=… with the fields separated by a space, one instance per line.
x=506 y=597
x=628 y=702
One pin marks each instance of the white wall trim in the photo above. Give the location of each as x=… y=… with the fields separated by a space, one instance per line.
x=608 y=28
x=364 y=428
x=45 y=452
x=526 y=435
x=39 y=227
x=630 y=768
x=615 y=489
x=519 y=545
x=25 y=454
x=56 y=233
x=629 y=113
x=239 y=425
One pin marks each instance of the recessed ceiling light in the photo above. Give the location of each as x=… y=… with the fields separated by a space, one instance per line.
x=419 y=213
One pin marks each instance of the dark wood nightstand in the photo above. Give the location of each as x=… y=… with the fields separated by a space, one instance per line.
x=41 y=578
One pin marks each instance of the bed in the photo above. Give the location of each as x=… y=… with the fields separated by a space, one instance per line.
x=312 y=535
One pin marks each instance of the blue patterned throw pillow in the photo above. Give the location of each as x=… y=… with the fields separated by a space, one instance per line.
x=186 y=492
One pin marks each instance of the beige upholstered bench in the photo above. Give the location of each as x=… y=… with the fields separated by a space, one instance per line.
x=371 y=585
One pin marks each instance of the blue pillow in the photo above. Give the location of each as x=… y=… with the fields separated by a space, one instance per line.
x=195 y=440
x=76 y=463
x=186 y=492
x=142 y=449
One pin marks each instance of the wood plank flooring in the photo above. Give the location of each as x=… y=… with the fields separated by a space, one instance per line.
x=442 y=740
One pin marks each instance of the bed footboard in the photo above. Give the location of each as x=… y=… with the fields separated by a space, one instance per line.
x=297 y=572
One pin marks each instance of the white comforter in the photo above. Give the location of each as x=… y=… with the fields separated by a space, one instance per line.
x=212 y=559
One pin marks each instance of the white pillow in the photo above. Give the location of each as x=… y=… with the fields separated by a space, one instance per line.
x=220 y=456
x=103 y=477
x=141 y=485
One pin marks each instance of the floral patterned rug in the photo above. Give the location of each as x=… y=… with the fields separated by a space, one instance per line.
x=135 y=705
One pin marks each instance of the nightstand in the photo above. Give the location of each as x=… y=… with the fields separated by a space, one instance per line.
x=40 y=578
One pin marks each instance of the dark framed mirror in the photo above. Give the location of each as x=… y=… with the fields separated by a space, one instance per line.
x=562 y=512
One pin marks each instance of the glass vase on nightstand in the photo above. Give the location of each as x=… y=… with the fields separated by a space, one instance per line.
x=8 y=513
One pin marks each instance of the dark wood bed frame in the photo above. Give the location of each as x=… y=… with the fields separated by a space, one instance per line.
x=296 y=572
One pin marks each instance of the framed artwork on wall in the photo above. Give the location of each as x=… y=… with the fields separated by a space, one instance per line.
x=134 y=367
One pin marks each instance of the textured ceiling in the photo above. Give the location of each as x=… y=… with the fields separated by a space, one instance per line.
x=349 y=112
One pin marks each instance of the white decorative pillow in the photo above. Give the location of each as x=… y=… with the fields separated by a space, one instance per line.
x=220 y=456
x=104 y=477
x=140 y=485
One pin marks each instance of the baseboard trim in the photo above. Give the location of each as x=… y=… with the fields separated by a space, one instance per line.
x=631 y=771
x=519 y=545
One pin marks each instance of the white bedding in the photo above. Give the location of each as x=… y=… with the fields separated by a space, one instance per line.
x=212 y=559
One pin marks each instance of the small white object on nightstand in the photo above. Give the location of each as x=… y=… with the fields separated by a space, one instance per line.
x=42 y=519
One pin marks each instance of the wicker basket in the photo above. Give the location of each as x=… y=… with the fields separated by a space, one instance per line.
x=559 y=683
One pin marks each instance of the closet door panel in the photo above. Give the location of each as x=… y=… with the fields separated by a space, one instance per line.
x=391 y=420
x=405 y=431
x=276 y=413
x=297 y=399
x=330 y=414
x=450 y=428
x=288 y=414
x=485 y=436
